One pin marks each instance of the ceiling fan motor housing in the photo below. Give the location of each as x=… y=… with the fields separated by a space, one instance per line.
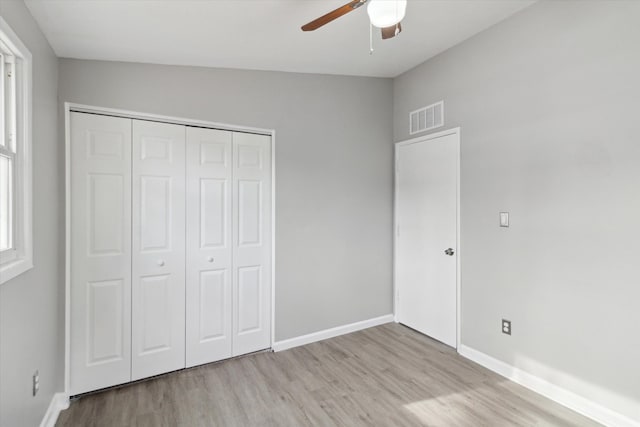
x=386 y=13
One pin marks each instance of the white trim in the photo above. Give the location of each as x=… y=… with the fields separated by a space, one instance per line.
x=452 y=131
x=458 y=250
x=551 y=391
x=13 y=269
x=394 y=232
x=456 y=132
x=67 y=248
x=273 y=237
x=23 y=237
x=59 y=402
x=68 y=108
x=331 y=333
x=83 y=108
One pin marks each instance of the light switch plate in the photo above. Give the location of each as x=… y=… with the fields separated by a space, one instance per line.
x=504 y=219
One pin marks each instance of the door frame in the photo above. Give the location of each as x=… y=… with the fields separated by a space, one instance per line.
x=424 y=138
x=92 y=109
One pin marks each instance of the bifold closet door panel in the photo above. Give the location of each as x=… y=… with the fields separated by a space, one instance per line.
x=100 y=341
x=209 y=271
x=251 y=242
x=158 y=279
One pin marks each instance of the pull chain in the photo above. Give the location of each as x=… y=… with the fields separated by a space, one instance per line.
x=370 y=38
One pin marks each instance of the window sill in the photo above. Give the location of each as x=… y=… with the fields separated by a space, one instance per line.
x=13 y=269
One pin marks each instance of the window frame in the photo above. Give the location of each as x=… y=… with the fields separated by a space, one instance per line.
x=19 y=258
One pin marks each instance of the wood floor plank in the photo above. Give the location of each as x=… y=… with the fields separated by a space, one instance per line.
x=389 y=375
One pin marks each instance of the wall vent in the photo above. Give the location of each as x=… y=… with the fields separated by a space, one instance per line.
x=426 y=118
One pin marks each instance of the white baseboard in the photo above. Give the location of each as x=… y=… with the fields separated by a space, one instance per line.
x=551 y=391
x=59 y=402
x=330 y=333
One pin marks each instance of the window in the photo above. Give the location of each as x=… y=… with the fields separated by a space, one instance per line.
x=15 y=155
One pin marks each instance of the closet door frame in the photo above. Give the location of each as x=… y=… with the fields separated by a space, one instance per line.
x=91 y=109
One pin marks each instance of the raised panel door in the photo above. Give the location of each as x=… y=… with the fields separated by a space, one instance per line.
x=209 y=210
x=158 y=278
x=100 y=341
x=251 y=242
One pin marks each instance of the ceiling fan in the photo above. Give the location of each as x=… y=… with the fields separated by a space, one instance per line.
x=384 y=14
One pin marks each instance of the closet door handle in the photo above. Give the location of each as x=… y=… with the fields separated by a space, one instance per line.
x=160 y=263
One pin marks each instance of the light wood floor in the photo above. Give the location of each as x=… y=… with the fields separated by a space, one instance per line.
x=384 y=376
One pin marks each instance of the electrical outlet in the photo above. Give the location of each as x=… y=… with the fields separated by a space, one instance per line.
x=36 y=383
x=506 y=326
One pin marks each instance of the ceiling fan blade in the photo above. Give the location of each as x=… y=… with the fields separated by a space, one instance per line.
x=334 y=14
x=392 y=31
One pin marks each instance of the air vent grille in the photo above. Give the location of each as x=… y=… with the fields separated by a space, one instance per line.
x=426 y=118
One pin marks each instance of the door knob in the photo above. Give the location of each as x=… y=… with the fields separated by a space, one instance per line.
x=160 y=263
x=449 y=252
x=210 y=259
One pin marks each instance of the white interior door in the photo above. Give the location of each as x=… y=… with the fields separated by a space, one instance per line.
x=251 y=242
x=426 y=218
x=100 y=342
x=209 y=272
x=158 y=288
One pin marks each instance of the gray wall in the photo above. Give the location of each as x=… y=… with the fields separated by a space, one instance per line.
x=31 y=331
x=548 y=102
x=333 y=173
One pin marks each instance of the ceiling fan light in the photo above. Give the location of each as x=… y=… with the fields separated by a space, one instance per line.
x=385 y=13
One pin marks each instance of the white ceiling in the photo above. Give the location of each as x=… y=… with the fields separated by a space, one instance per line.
x=260 y=34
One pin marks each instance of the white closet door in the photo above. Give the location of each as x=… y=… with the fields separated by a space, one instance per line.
x=100 y=252
x=251 y=242
x=209 y=271
x=158 y=294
